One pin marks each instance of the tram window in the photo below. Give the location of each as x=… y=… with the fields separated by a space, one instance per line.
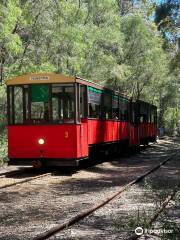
x=133 y=120
x=55 y=108
x=148 y=115
x=31 y=104
x=152 y=117
x=94 y=102
x=40 y=111
x=26 y=103
x=123 y=105
x=10 y=94
x=134 y=117
x=18 y=105
x=144 y=112
x=63 y=104
x=107 y=106
x=115 y=107
x=155 y=116
x=94 y=110
x=57 y=103
x=83 y=101
x=68 y=105
x=40 y=102
x=141 y=119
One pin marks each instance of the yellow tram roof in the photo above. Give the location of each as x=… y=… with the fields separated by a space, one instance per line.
x=36 y=78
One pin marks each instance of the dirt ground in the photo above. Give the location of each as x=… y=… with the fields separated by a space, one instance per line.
x=31 y=208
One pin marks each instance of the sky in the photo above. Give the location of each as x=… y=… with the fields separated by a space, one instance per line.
x=159 y=1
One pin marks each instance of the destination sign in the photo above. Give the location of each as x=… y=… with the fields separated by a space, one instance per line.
x=37 y=78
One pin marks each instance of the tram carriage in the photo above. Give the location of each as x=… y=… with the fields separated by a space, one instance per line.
x=56 y=120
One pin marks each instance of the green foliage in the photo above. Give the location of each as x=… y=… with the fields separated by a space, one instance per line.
x=2 y=106
x=144 y=62
x=172 y=120
x=3 y=146
x=167 y=18
x=9 y=15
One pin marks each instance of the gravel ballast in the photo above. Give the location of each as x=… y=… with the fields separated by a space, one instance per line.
x=31 y=208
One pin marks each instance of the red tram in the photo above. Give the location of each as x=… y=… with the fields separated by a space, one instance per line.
x=55 y=120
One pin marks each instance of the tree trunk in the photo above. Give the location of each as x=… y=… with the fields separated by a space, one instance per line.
x=161 y=112
x=124 y=6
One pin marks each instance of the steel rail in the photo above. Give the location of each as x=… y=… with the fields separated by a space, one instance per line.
x=157 y=213
x=15 y=172
x=25 y=180
x=87 y=212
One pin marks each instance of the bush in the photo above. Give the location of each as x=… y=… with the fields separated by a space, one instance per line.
x=3 y=147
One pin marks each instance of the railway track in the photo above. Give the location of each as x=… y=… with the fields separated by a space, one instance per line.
x=5 y=175
x=28 y=179
x=157 y=213
x=89 y=211
x=15 y=172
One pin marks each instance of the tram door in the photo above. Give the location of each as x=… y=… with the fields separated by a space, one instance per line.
x=134 y=125
x=57 y=110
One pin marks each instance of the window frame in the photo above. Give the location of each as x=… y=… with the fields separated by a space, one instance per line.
x=121 y=103
x=112 y=94
x=63 y=86
x=88 y=103
x=27 y=116
x=85 y=104
x=77 y=119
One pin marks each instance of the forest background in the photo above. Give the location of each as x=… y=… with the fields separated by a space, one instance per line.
x=131 y=45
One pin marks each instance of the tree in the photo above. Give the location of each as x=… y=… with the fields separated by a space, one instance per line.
x=10 y=42
x=167 y=18
x=141 y=64
x=113 y=41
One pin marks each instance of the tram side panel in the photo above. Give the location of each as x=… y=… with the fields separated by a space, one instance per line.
x=82 y=140
x=153 y=131
x=60 y=142
x=103 y=131
x=134 y=138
